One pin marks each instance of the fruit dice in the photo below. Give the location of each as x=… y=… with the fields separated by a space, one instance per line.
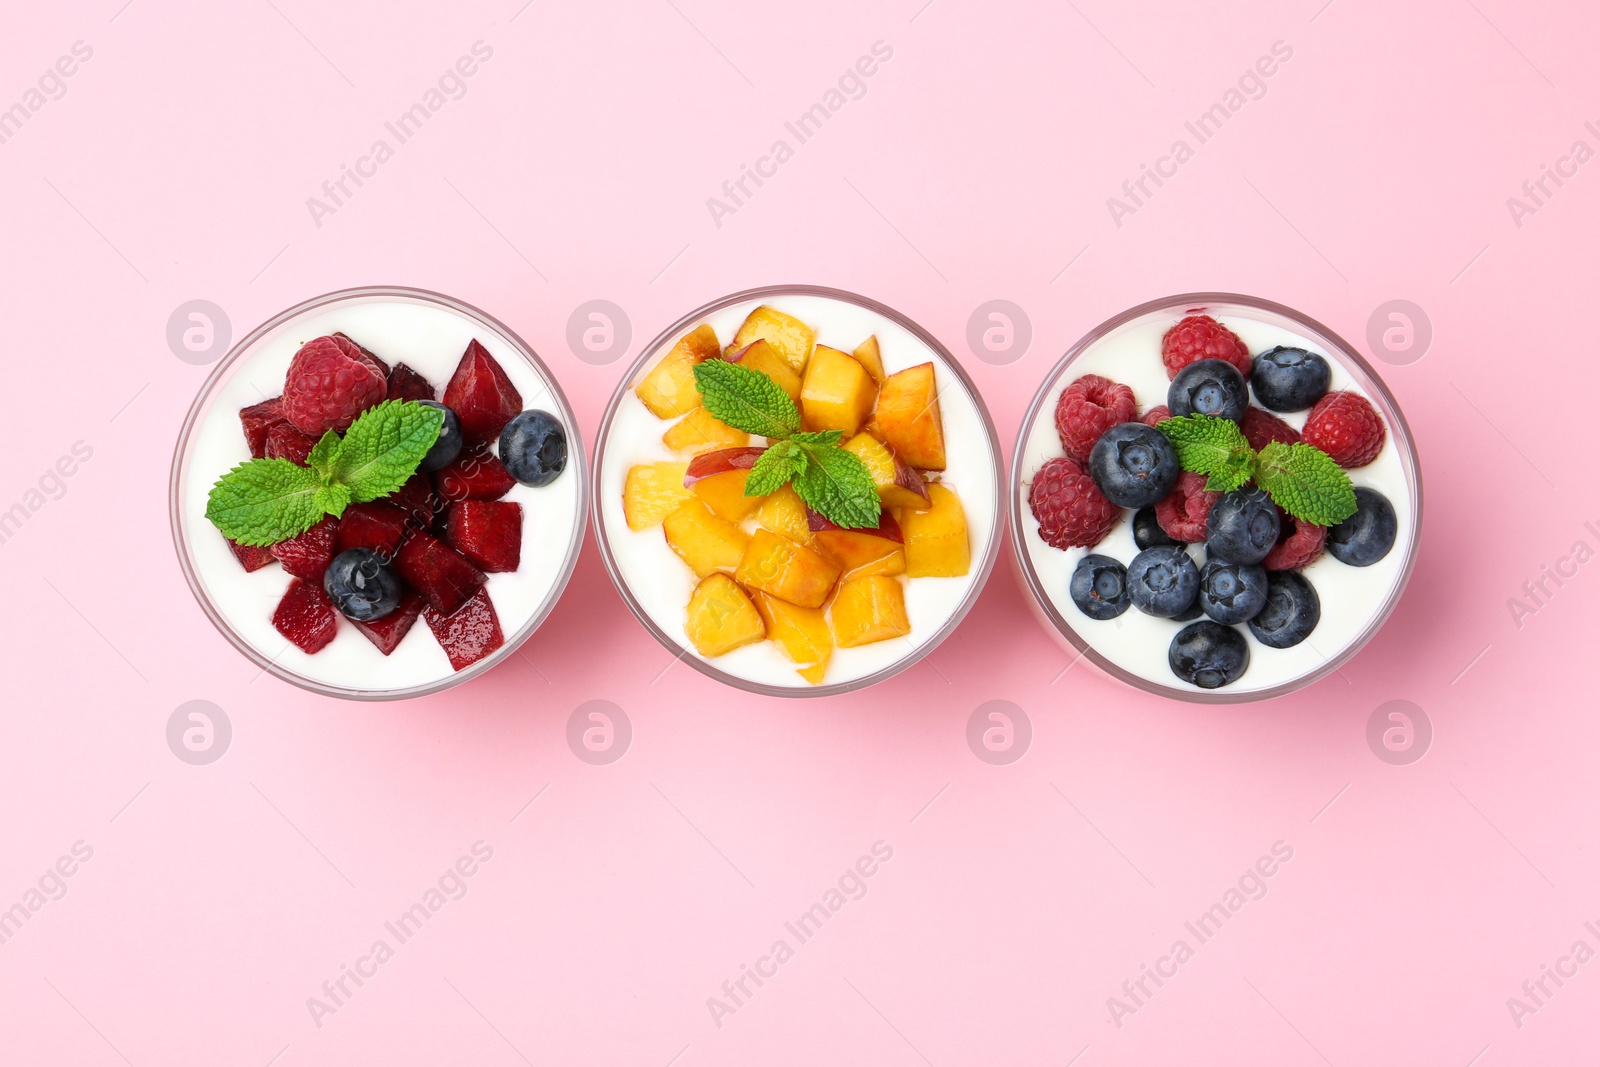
x=251 y=557
x=258 y=420
x=306 y=616
x=721 y=618
x=487 y=532
x=908 y=419
x=837 y=394
x=669 y=389
x=899 y=485
x=936 y=539
x=786 y=570
x=859 y=552
x=416 y=498
x=469 y=633
x=407 y=384
x=702 y=540
x=718 y=479
x=475 y=474
x=286 y=442
x=481 y=395
x=792 y=338
x=651 y=492
x=378 y=525
x=442 y=575
x=308 y=554
x=869 y=609
x=802 y=633
x=387 y=633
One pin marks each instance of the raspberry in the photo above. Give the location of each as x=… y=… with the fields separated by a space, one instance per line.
x=1088 y=408
x=1159 y=413
x=1202 y=337
x=328 y=385
x=1346 y=427
x=1071 y=511
x=1184 y=511
x=1298 y=544
x=1261 y=427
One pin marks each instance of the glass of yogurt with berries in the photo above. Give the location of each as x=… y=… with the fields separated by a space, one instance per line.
x=798 y=491
x=1214 y=498
x=367 y=461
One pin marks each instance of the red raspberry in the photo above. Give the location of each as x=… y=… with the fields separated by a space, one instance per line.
x=1070 y=509
x=1184 y=511
x=1299 y=543
x=1088 y=408
x=1160 y=413
x=1261 y=427
x=1202 y=337
x=328 y=385
x=1346 y=427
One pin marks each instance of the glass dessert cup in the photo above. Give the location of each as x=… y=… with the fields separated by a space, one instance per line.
x=1355 y=601
x=428 y=332
x=655 y=583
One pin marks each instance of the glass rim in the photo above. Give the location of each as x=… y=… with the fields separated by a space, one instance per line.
x=984 y=567
x=576 y=464
x=1182 y=302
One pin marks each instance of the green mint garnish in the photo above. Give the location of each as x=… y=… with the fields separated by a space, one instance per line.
x=829 y=480
x=265 y=501
x=1300 y=479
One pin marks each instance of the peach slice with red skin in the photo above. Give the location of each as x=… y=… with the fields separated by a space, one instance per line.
x=719 y=477
x=786 y=569
x=860 y=552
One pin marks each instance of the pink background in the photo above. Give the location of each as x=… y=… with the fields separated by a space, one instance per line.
x=1019 y=898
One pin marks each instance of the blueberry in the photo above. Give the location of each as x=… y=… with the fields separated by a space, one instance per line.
x=1209 y=387
x=448 y=445
x=1208 y=654
x=1163 y=581
x=1289 y=379
x=1100 y=587
x=1190 y=613
x=533 y=447
x=361 y=585
x=1242 y=527
x=1292 y=612
x=1232 y=592
x=1133 y=465
x=1147 y=532
x=1368 y=535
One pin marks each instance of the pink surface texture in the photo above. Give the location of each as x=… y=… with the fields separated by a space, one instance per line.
x=1435 y=900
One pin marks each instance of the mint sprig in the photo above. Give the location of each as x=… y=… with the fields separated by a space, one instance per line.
x=264 y=501
x=828 y=479
x=1300 y=478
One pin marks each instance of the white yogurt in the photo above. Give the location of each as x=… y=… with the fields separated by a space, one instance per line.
x=430 y=339
x=1351 y=596
x=661 y=583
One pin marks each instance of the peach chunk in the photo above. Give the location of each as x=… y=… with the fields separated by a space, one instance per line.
x=899 y=485
x=651 y=492
x=761 y=356
x=837 y=393
x=791 y=337
x=783 y=513
x=786 y=569
x=867 y=609
x=936 y=539
x=908 y=417
x=708 y=544
x=718 y=478
x=868 y=356
x=699 y=431
x=669 y=389
x=721 y=617
x=802 y=633
x=860 y=552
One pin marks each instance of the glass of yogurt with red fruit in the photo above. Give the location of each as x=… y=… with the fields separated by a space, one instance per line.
x=378 y=493
x=799 y=491
x=1214 y=498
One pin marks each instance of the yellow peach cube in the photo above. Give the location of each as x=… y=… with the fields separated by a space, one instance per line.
x=898 y=484
x=761 y=356
x=720 y=617
x=651 y=491
x=699 y=431
x=792 y=338
x=867 y=609
x=786 y=569
x=837 y=393
x=708 y=544
x=783 y=513
x=802 y=633
x=908 y=420
x=936 y=539
x=868 y=355
x=669 y=389
x=724 y=495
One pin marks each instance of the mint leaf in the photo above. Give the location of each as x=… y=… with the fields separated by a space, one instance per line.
x=333 y=498
x=383 y=447
x=746 y=399
x=773 y=469
x=323 y=454
x=1231 y=474
x=1208 y=445
x=1305 y=482
x=837 y=484
x=265 y=501
x=820 y=437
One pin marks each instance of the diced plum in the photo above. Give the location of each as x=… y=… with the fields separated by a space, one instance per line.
x=306 y=616
x=442 y=575
x=286 y=442
x=387 y=633
x=251 y=557
x=257 y=420
x=488 y=532
x=481 y=395
x=308 y=555
x=407 y=384
x=475 y=474
x=416 y=498
x=378 y=525
x=468 y=634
